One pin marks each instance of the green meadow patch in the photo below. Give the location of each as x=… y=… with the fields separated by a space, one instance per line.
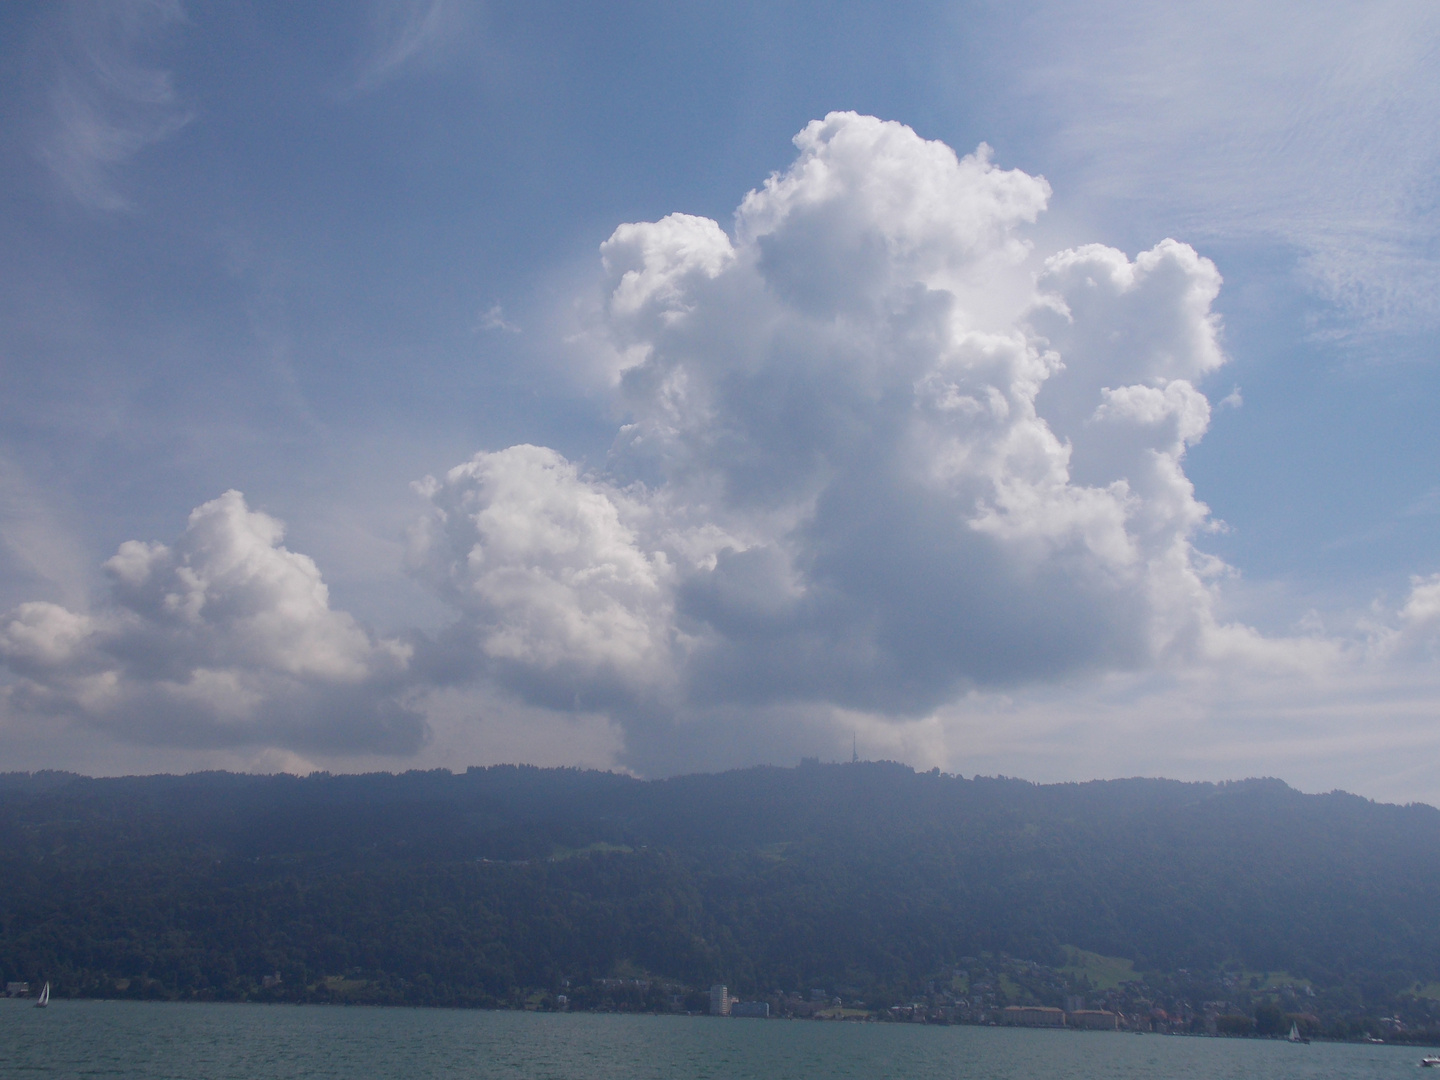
x=1104 y=972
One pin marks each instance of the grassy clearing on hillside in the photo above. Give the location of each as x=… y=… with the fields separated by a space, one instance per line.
x=1271 y=980
x=1104 y=972
x=560 y=854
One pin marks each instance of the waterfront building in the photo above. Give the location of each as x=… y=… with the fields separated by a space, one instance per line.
x=719 y=1000
x=1032 y=1016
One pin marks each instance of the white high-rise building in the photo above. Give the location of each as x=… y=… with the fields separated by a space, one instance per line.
x=719 y=1000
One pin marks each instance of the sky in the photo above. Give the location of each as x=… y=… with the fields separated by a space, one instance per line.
x=1031 y=388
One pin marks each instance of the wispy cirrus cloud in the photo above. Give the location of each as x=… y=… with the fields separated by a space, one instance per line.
x=33 y=540
x=106 y=103
x=1313 y=125
x=407 y=34
x=493 y=318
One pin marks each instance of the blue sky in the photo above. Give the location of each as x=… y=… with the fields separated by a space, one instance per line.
x=316 y=255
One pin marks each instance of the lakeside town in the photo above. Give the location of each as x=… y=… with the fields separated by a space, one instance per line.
x=1093 y=993
x=1089 y=992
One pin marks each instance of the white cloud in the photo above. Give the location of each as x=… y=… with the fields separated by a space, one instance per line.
x=106 y=104
x=1311 y=125
x=494 y=319
x=883 y=469
x=875 y=454
x=227 y=638
x=407 y=34
x=545 y=562
x=34 y=537
x=886 y=471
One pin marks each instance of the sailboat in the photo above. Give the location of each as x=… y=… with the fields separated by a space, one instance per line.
x=1295 y=1035
x=44 y=998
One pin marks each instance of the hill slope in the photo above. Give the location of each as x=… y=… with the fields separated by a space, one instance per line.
x=477 y=888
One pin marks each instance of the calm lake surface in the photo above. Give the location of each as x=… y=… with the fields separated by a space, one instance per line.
x=220 y=1042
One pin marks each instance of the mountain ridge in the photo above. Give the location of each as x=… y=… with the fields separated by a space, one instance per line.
x=869 y=875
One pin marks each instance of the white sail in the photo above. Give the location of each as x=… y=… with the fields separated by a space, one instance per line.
x=44 y=998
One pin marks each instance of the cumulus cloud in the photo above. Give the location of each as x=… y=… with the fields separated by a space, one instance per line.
x=106 y=103
x=1415 y=634
x=548 y=570
x=883 y=469
x=225 y=638
x=877 y=453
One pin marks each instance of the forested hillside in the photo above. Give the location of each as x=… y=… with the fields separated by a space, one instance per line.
x=505 y=883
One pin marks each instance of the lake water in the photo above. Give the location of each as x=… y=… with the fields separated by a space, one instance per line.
x=156 y=1041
